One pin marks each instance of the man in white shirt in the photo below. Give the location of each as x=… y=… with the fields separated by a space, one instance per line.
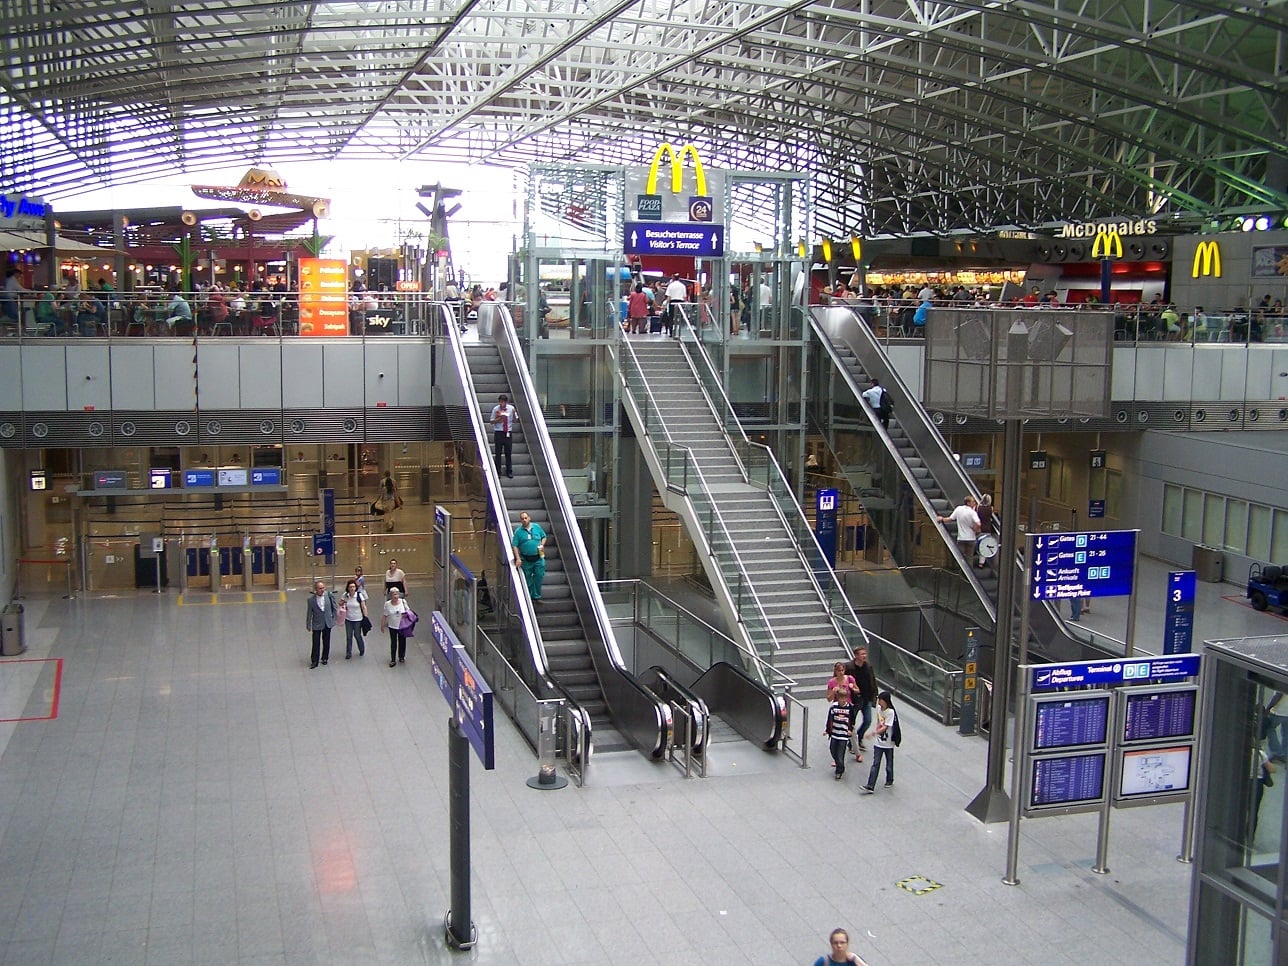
x=503 y=418
x=676 y=292
x=967 y=521
x=877 y=397
x=927 y=294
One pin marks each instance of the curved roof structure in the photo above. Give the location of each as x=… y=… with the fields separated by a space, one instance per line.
x=913 y=115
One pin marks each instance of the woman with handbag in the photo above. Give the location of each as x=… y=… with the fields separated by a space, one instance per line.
x=356 y=622
x=392 y=620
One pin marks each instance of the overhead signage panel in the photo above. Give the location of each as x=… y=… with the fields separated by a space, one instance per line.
x=1096 y=564
x=674 y=238
x=1046 y=677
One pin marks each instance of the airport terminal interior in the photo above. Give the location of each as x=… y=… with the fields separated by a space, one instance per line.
x=951 y=335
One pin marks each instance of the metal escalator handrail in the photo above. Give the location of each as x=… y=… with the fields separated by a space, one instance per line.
x=781 y=681
x=803 y=535
x=643 y=717
x=536 y=649
x=632 y=360
x=907 y=404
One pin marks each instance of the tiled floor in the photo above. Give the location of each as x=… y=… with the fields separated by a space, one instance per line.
x=203 y=797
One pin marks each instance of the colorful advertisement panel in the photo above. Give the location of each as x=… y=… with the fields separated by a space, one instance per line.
x=324 y=297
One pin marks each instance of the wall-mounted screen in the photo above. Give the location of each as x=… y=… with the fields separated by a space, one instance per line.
x=1066 y=780
x=1070 y=721
x=233 y=476
x=1157 y=714
x=110 y=480
x=159 y=479
x=1155 y=771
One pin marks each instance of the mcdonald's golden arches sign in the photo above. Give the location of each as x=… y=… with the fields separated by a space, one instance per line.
x=1207 y=259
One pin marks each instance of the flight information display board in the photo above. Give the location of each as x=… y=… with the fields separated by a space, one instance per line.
x=1069 y=721
x=1064 y=781
x=1158 y=714
x=1154 y=772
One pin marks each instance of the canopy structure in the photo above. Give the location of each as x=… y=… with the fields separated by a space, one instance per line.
x=913 y=115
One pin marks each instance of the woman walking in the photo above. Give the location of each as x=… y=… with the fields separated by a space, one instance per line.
x=354 y=605
x=395 y=613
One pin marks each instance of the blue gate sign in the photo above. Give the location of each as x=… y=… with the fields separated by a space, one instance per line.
x=464 y=690
x=1095 y=564
x=825 y=501
x=324 y=546
x=1178 y=624
x=1046 y=677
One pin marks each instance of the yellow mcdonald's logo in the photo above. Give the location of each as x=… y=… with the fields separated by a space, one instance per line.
x=677 y=168
x=1207 y=260
x=1108 y=244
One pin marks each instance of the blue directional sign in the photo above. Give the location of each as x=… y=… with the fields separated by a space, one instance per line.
x=1047 y=677
x=1098 y=564
x=674 y=238
x=464 y=689
x=1178 y=624
x=266 y=477
x=825 y=522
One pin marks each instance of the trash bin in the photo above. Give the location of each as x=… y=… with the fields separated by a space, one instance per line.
x=1208 y=564
x=12 y=634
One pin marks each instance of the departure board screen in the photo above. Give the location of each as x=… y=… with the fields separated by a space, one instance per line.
x=1070 y=722
x=1067 y=780
x=1158 y=715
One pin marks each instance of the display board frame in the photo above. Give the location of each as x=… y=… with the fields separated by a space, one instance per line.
x=1069 y=806
x=1037 y=704
x=1128 y=696
x=1135 y=753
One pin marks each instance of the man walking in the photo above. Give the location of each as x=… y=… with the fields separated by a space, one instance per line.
x=319 y=619
x=529 y=545
x=504 y=416
x=865 y=698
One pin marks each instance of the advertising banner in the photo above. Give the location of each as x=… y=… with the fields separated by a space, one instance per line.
x=324 y=297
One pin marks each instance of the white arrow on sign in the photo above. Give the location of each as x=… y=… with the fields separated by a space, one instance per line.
x=634 y=239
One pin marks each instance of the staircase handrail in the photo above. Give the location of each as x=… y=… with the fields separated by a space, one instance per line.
x=630 y=365
x=627 y=699
x=839 y=609
x=531 y=636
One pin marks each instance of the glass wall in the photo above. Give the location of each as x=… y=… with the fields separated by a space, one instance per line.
x=1237 y=904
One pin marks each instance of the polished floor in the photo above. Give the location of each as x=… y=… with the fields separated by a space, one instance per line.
x=181 y=788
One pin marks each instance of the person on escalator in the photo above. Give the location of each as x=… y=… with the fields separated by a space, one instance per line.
x=878 y=398
x=985 y=513
x=529 y=545
x=503 y=418
x=967 y=522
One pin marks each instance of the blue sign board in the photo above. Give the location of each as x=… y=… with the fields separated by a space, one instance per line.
x=973 y=461
x=1095 y=509
x=1178 y=623
x=1047 y=677
x=266 y=477
x=1097 y=564
x=198 y=477
x=674 y=238
x=825 y=501
x=326 y=497
x=324 y=545
x=464 y=689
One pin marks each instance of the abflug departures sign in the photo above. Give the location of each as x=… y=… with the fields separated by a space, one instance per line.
x=1047 y=677
x=1066 y=565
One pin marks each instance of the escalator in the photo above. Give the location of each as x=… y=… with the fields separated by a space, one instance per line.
x=906 y=476
x=569 y=636
x=778 y=595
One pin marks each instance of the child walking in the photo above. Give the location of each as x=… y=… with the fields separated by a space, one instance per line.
x=883 y=744
x=840 y=721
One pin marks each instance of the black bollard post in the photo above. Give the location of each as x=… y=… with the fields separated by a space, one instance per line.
x=460 y=930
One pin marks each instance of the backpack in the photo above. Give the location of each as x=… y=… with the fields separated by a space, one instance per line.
x=886 y=407
x=896 y=733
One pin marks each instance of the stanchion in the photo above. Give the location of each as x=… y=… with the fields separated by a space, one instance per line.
x=547 y=778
